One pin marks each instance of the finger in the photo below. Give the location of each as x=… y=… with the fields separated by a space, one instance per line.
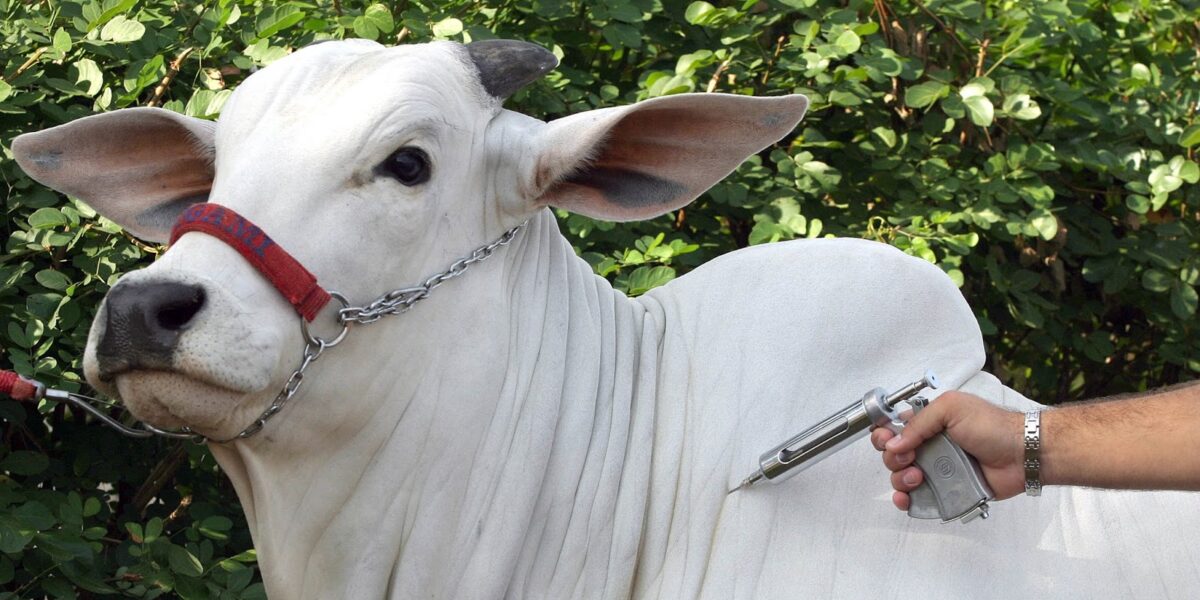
x=901 y=500
x=924 y=425
x=907 y=480
x=880 y=436
x=896 y=461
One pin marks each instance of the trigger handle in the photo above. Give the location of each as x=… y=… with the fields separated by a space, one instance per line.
x=954 y=487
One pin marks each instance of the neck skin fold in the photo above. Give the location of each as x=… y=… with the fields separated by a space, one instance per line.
x=484 y=432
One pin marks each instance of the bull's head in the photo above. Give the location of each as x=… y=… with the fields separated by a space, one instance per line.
x=373 y=166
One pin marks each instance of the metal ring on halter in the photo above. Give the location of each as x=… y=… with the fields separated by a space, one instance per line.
x=316 y=341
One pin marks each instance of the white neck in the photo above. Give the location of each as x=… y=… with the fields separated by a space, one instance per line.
x=490 y=429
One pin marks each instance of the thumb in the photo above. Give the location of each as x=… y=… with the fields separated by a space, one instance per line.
x=923 y=425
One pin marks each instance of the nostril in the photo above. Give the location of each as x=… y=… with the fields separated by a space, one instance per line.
x=143 y=324
x=175 y=313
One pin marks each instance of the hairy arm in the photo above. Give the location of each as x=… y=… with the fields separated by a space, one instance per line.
x=1144 y=442
x=1150 y=441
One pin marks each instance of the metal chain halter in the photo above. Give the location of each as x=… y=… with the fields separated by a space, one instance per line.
x=395 y=302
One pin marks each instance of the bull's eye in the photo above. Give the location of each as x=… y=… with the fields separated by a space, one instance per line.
x=408 y=165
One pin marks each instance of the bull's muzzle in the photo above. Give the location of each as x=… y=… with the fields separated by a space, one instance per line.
x=143 y=323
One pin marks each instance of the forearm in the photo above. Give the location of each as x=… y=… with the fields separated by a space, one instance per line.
x=1146 y=442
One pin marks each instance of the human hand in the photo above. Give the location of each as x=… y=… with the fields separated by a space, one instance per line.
x=992 y=435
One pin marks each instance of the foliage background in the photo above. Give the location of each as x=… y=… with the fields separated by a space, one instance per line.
x=1040 y=151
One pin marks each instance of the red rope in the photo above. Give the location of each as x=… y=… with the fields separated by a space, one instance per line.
x=297 y=285
x=15 y=386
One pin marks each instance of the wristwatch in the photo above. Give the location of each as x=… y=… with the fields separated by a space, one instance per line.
x=1033 y=453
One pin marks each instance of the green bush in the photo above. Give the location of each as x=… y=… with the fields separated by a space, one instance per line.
x=1041 y=152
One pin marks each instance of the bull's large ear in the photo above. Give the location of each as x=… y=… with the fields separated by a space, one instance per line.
x=139 y=167
x=643 y=160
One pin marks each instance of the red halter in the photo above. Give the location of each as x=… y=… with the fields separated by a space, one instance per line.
x=297 y=285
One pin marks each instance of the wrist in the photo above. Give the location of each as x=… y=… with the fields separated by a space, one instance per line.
x=1052 y=449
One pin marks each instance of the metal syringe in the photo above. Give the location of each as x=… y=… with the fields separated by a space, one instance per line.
x=819 y=441
x=954 y=487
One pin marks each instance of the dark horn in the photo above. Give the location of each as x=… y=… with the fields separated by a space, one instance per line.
x=506 y=66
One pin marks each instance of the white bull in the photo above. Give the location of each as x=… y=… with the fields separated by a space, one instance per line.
x=528 y=432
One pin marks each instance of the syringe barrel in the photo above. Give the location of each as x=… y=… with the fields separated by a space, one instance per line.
x=819 y=441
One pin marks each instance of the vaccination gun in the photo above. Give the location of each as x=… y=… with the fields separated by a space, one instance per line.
x=954 y=487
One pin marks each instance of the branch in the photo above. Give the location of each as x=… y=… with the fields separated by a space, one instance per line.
x=716 y=76
x=172 y=71
x=25 y=66
x=774 y=58
x=946 y=28
x=163 y=472
x=983 y=46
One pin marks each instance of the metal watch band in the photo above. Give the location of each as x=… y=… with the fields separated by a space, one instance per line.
x=1033 y=453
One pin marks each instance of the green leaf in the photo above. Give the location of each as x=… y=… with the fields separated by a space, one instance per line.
x=972 y=90
x=840 y=98
x=379 y=16
x=1138 y=203
x=848 y=42
x=13 y=537
x=5 y=90
x=91 y=507
x=47 y=218
x=191 y=589
x=448 y=27
x=34 y=515
x=90 y=73
x=1163 y=180
x=828 y=177
x=644 y=279
x=154 y=529
x=1156 y=281
x=207 y=103
x=135 y=532
x=1022 y=107
x=925 y=94
x=122 y=30
x=62 y=547
x=365 y=29
x=1046 y=224
x=256 y=591
x=216 y=527
x=111 y=12
x=272 y=21
x=62 y=41
x=263 y=53
x=622 y=35
x=1189 y=172
x=1190 y=136
x=979 y=109
x=52 y=279
x=1183 y=301
x=886 y=135
x=699 y=12
x=184 y=562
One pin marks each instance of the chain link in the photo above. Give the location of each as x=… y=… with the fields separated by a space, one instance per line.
x=395 y=302
x=401 y=300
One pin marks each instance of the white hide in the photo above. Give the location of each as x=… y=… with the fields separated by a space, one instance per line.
x=528 y=432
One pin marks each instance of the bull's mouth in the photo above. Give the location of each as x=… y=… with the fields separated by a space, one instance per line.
x=170 y=399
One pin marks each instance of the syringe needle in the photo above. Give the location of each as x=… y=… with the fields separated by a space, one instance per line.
x=747 y=482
